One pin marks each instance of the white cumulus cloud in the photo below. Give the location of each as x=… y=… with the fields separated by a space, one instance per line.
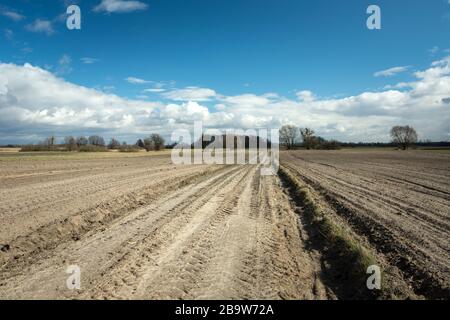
x=88 y=60
x=134 y=80
x=305 y=96
x=391 y=72
x=41 y=26
x=120 y=6
x=35 y=102
x=190 y=94
x=11 y=14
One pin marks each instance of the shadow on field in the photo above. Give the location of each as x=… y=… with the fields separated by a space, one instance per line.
x=343 y=261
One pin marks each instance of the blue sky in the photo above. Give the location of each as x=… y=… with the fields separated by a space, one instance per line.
x=253 y=49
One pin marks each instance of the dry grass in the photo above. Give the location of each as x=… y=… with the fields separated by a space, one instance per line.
x=350 y=257
x=9 y=150
x=48 y=156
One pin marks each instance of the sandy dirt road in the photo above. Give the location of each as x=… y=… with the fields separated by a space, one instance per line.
x=140 y=228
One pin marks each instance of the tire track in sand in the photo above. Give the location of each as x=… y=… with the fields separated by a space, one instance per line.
x=102 y=249
x=230 y=235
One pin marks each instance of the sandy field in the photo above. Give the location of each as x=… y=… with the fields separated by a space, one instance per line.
x=140 y=227
x=399 y=202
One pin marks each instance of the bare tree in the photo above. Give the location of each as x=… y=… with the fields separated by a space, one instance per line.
x=288 y=136
x=309 y=141
x=71 y=143
x=158 y=141
x=140 y=143
x=82 y=141
x=49 y=143
x=154 y=142
x=148 y=144
x=96 y=141
x=404 y=137
x=114 y=144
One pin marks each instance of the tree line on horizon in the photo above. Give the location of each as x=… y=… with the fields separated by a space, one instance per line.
x=292 y=137
x=96 y=143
